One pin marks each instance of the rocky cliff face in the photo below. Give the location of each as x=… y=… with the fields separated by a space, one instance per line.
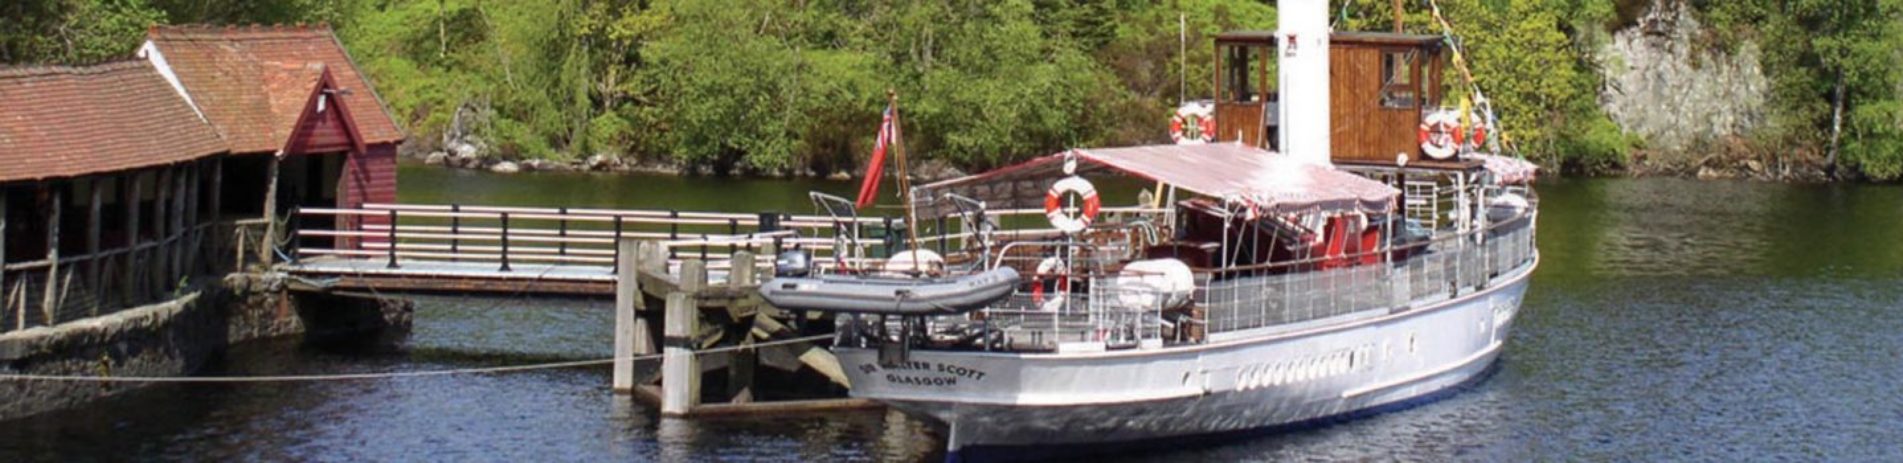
x=1661 y=84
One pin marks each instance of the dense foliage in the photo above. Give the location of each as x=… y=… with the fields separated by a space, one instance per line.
x=785 y=85
x=1831 y=57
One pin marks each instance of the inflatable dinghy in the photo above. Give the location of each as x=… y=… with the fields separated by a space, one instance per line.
x=891 y=296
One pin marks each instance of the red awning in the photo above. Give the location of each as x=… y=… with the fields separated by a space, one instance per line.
x=1274 y=182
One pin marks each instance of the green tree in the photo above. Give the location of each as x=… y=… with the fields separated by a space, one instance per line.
x=72 y=31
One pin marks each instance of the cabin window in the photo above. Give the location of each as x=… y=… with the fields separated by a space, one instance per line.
x=1239 y=74
x=1398 y=89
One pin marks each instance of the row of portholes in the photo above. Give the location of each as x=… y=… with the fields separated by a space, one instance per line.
x=1327 y=365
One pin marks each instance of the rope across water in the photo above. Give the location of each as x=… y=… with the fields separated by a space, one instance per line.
x=387 y=375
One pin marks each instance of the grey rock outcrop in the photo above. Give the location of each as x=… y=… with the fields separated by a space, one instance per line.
x=1675 y=92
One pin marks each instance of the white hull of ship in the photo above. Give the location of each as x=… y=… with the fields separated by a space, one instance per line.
x=1001 y=399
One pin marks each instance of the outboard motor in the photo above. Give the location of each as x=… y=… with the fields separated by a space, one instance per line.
x=794 y=263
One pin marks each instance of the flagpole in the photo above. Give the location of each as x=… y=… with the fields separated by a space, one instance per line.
x=905 y=184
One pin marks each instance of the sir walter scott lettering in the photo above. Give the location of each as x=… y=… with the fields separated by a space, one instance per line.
x=921 y=373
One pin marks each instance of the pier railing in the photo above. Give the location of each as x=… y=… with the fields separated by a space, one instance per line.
x=510 y=237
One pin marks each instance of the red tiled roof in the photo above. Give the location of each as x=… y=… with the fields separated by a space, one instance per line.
x=251 y=82
x=71 y=121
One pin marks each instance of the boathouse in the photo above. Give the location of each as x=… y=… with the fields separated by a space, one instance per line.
x=122 y=182
x=107 y=179
x=292 y=106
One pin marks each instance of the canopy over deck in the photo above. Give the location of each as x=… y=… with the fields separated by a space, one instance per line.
x=1274 y=182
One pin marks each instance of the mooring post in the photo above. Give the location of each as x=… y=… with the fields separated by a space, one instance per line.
x=627 y=302
x=693 y=276
x=742 y=273
x=680 y=371
x=740 y=363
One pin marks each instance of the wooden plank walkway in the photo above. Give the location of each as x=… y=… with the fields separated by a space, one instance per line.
x=471 y=277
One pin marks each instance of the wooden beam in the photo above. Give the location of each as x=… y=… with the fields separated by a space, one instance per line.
x=158 y=262
x=217 y=208
x=131 y=281
x=270 y=212
x=176 y=250
x=92 y=240
x=194 y=189
x=50 y=303
x=3 y=255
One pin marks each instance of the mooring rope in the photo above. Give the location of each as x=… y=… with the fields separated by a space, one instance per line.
x=387 y=375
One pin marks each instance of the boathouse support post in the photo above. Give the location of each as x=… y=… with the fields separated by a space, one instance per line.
x=680 y=371
x=179 y=180
x=5 y=296
x=627 y=303
x=130 y=280
x=50 y=304
x=161 y=208
x=93 y=199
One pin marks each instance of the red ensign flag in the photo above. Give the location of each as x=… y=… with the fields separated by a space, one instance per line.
x=869 y=189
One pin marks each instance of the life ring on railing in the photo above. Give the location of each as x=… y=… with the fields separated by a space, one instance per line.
x=1063 y=219
x=1053 y=271
x=1193 y=123
x=1479 y=138
x=1439 y=135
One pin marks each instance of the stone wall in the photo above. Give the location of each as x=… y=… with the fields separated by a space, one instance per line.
x=178 y=337
x=165 y=339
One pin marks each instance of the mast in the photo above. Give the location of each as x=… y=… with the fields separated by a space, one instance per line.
x=1397 y=16
x=905 y=184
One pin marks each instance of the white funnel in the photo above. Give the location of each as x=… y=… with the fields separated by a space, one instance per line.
x=1302 y=27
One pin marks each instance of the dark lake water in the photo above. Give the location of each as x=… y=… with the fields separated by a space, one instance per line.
x=1669 y=320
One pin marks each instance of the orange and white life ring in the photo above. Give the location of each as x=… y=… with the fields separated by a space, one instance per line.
x=1071 y=219
x=1193 y=123
x=1051 y=270
x=1192 y=129
x=1439 y=135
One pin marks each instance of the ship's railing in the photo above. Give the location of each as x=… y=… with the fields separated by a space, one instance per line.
x=1442 y=268
x=1112 y=311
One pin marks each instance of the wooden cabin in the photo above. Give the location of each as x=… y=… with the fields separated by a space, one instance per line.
x=1380 y=86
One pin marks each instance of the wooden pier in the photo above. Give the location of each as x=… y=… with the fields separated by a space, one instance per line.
x=683 y=283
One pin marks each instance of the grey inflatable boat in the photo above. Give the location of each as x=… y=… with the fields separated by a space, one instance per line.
x=891 y=296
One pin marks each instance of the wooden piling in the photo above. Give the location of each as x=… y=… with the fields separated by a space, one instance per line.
x=693 y=276
x=740 y=363
x=680 y=371
x=627 y=302
x=742 y=273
